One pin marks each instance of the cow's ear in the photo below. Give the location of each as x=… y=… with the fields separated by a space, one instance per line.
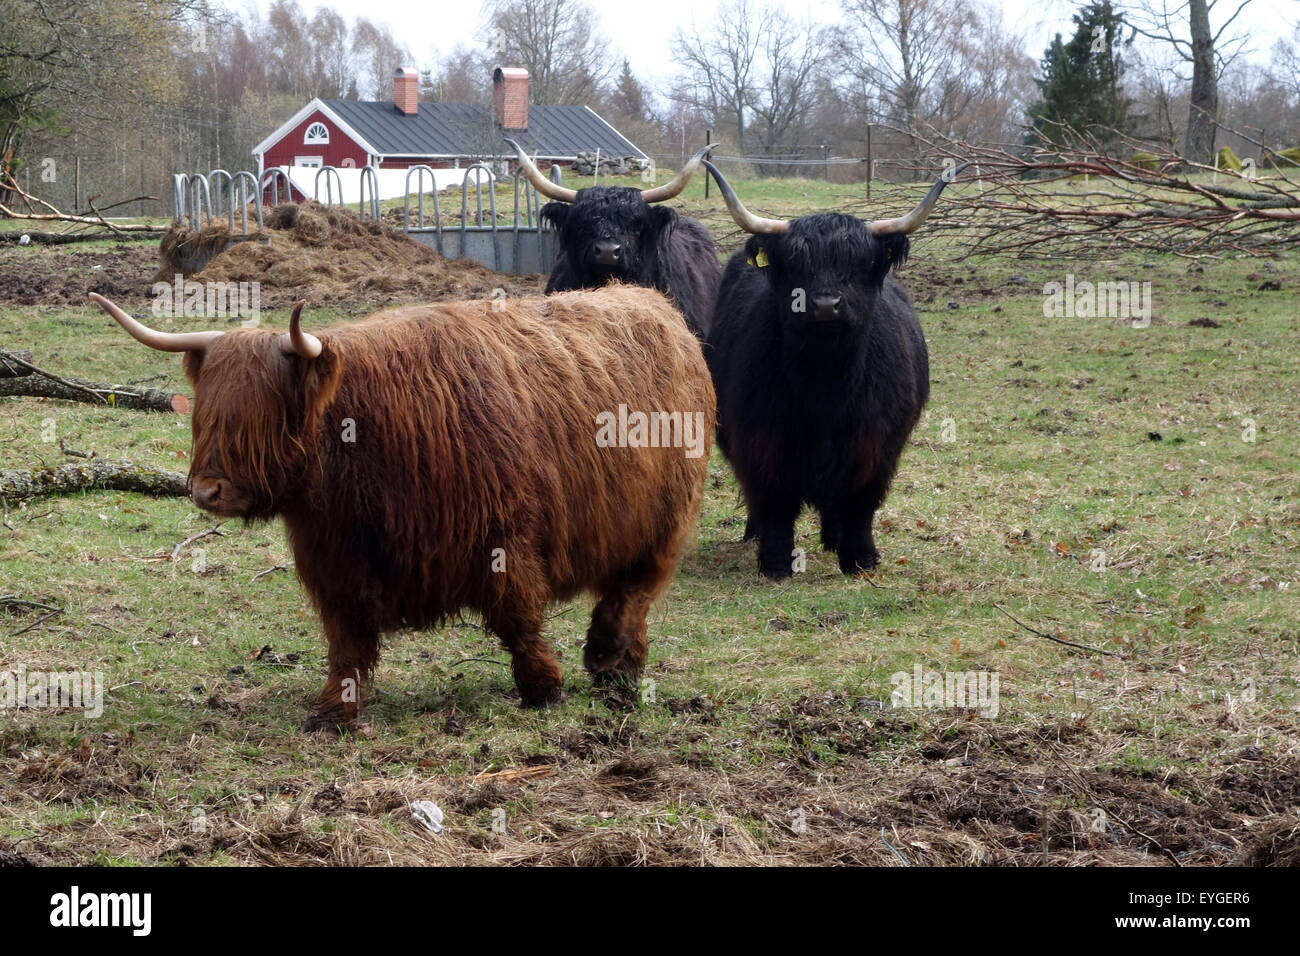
x=319 y=382
x=892 y=253
x=662 y=220
x=192 y=363
x=555 y=213
x=760 y=252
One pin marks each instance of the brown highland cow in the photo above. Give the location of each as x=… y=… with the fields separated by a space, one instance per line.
x=434 y=458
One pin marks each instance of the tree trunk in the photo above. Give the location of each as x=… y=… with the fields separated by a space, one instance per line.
x=1198 y=147
x=121 y=475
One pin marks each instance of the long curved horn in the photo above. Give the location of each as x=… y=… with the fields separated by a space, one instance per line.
x=541 y=183
x=162 y=341
x=671 y=189
x=912 y=221
x=296 y=341
x=744 y=218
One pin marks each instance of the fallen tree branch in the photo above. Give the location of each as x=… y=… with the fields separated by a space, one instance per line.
x=270 y=570
x=13 y=600
x=1058 y=640
x=120 y=475
x=10 y=184
x=44 y=238
x=38 y=622
x=15 y=369
x=1090 y=194
x=23 y=363
x=176 y=551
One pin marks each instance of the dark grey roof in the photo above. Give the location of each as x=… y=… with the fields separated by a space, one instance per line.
x=461 y=129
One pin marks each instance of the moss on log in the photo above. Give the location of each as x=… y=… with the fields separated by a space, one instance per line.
x=120 y=475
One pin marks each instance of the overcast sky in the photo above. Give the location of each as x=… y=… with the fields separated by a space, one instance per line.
x=430 y=30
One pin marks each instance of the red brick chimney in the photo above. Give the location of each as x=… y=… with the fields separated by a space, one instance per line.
x=510 y=97
x=406 y=90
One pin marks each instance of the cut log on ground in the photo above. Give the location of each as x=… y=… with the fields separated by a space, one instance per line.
x=96 y=393
x=121 y=475
x=39 y=383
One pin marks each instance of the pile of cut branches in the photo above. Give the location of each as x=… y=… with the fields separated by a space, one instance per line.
x=1082 y=200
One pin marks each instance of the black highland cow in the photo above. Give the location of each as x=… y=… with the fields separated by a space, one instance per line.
x=610 y=233
x=821 y=373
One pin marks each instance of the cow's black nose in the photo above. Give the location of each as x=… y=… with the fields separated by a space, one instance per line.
x=827 y=306
x=206 y=492
x=608 y=253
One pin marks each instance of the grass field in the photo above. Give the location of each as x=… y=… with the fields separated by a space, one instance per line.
x=1134 y=490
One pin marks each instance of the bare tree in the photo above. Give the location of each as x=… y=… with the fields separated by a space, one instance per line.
x=756 y=68
x=566 y=60
x=1286 y=60
x=900 y=50
x=332 y=70
x=68 y=60
x=1186 y=26
x=379 y=54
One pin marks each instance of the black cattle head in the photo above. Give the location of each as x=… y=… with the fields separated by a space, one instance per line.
x=827 y=268
x=609 y=232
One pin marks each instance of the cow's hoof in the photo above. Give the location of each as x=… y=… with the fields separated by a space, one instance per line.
x=598 y=658
x=776 y=573
x=857 y=563
x=326 y=722
x=617 y=680
x=541 y=699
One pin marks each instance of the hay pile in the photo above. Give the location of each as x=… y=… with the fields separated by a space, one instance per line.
x=331 y=257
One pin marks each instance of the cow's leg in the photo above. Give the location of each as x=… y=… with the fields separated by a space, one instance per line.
x=774 y=520
x=857 y=550
x=537 y=674
x=616 y=641
x=353 y=651
x=832 y=531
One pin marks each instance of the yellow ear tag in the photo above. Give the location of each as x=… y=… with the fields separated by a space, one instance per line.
x=760 y=259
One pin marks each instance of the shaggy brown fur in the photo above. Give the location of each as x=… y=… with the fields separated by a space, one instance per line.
x=474 y=430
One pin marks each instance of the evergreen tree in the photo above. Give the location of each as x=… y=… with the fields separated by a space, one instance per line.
x=1081 y=80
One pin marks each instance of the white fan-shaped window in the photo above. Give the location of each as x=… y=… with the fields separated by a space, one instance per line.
x=316 y=133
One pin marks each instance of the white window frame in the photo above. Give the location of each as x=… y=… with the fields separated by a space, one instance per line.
x=313 y=162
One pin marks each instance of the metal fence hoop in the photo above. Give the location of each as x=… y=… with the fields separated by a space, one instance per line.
x=271 y=178
x=247 y=189
x=214 y=178
x=371 y=176
x=329 y=188
x=479 y=170
x=180 y=190
x=199 y=196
